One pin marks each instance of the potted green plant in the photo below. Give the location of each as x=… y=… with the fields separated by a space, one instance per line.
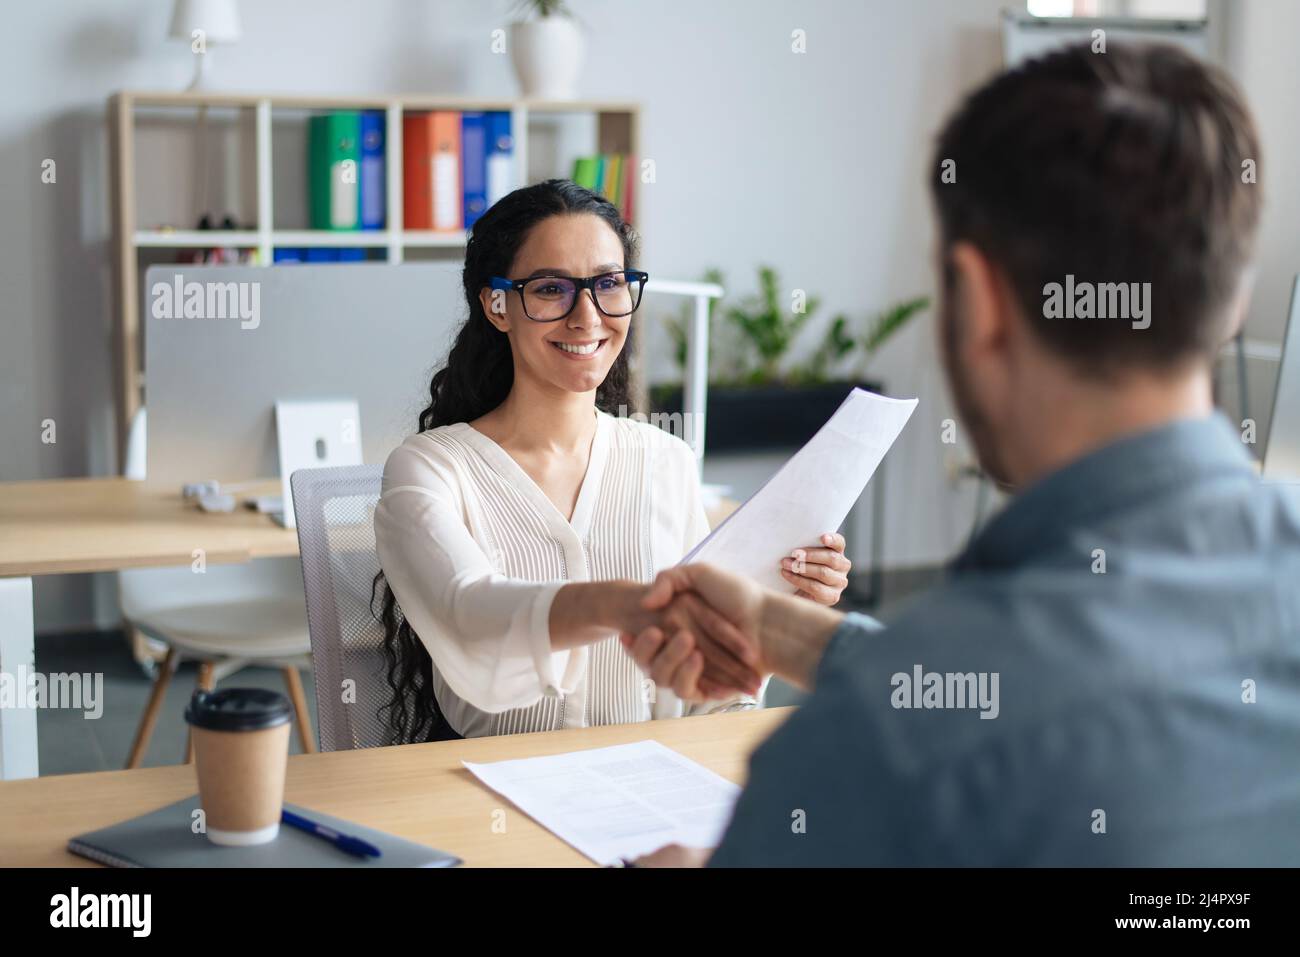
x=547 y=49
x=757 y=398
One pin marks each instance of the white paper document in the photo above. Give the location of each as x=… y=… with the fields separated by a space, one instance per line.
x=618 y=802
x=811 y=494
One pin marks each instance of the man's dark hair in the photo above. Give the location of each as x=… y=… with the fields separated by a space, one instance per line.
x=1125 y=166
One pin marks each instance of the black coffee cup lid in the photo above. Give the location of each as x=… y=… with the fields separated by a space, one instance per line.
x=238 y=709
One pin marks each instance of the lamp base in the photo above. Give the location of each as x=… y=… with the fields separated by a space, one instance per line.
x=202 y=81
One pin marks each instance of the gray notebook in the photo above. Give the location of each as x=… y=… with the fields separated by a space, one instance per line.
x=163 y=838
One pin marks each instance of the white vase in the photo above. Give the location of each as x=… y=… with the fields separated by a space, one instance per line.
x=547 y=56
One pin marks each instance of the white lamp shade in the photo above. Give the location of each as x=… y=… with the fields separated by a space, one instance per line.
x=218 y=19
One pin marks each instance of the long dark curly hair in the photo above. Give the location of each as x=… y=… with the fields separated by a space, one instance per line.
x=476 y=378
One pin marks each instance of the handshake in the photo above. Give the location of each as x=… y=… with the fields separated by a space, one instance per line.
x=705 y=642
x=708 y=634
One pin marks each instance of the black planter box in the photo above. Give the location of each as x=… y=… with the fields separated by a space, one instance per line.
x=763 y=418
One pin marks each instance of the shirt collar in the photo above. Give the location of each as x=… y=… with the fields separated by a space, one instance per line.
x=1126 y=472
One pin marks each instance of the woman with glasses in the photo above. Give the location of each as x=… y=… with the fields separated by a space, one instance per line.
x=520 y=528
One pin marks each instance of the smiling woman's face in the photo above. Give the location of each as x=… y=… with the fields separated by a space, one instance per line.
x=574 y=353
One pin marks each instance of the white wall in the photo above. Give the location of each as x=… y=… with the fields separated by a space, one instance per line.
x=812 y=163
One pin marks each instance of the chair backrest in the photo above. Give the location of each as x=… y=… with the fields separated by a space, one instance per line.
x=336 y=541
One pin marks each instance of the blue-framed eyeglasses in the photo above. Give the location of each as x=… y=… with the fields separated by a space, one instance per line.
x=550 y=298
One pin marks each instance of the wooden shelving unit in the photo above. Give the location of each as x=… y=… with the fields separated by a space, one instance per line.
x=617 y=130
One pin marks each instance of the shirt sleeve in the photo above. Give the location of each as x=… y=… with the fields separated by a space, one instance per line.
x=488 y=635
x=856 y=621
x=808 y=801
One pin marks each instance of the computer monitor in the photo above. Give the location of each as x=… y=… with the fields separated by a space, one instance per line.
x=215 y=368
x=1282 y=453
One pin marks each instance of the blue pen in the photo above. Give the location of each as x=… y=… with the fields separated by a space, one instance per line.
x=344 y=842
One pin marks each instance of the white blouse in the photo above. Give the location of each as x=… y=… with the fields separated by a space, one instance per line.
x=475 y=552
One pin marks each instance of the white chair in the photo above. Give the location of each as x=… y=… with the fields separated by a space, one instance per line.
x=335 y=509
x=227 y=618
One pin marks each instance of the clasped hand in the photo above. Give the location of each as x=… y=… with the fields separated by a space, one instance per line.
x=705 y=642
x=702 y=640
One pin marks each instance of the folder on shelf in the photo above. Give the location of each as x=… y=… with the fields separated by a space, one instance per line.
x=500 y=156
x=447 y=173
x=629 y=187
x=373 y=196
x=584 y=172
x=473 y=153
x=417 y=171
x=613 y=180
x=431 y=171
x=612 y=175
x=333 y=156
x=417 y=178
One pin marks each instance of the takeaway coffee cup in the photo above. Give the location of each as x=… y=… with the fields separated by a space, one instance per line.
x=241 y=744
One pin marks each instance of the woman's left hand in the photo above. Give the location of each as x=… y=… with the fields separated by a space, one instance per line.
x=820 y=572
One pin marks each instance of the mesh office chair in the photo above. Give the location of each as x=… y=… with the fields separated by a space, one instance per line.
x=335 y=509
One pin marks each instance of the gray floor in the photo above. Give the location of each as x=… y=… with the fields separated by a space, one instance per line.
x=69 y=743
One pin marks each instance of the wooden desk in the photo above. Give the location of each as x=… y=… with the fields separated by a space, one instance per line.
x=62 y=526
x=418 y=791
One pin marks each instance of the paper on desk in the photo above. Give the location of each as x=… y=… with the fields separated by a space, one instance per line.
x=622 y=801
x=811 y=494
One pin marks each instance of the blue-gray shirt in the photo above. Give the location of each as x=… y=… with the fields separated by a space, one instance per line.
x=1141 y=610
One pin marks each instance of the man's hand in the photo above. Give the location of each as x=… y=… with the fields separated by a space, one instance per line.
x=706 y=643
x=585 y=611
x=725 y=619
x=695 y=652
x=675 y=855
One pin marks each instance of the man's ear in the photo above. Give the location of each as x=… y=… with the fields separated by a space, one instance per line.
x=983 y=299
x=494 y=307
x=1240 y=307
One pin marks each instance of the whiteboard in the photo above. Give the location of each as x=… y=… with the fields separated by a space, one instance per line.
x=1025 y=36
